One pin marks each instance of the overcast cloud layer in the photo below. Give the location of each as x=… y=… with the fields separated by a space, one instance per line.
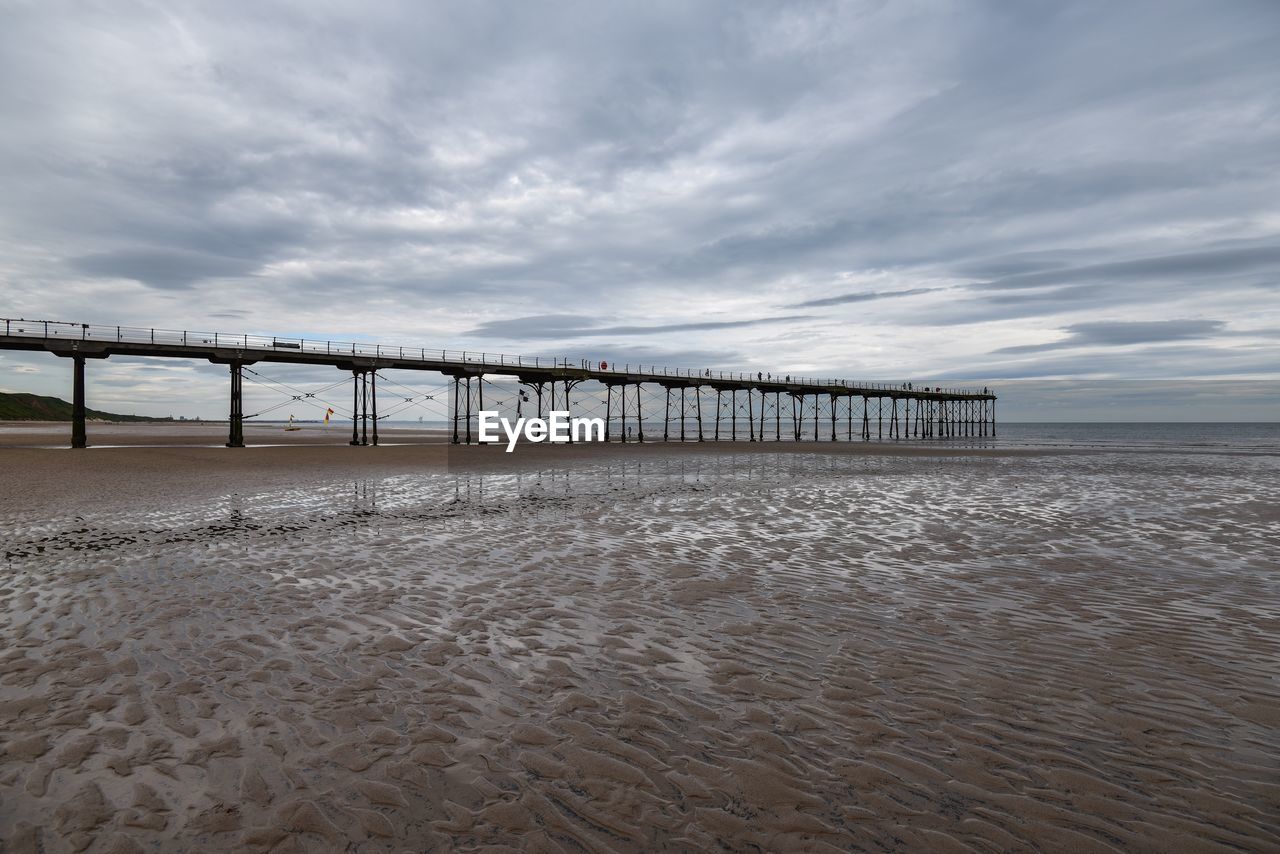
x=1004 y=191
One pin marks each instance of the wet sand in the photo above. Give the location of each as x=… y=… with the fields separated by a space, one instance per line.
x=686 y=648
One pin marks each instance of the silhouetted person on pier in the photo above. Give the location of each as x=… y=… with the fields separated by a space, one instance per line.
x=759 y=377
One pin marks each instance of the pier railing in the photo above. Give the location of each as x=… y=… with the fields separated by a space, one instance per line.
x=498 y=362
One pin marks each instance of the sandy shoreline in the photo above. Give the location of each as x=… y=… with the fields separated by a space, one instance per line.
x=637 y=648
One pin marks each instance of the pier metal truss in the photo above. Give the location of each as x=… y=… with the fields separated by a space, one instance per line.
x=681 y=404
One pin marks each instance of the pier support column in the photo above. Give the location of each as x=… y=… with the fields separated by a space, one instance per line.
x=553 y=400
x=719 y=392
x=235 y=427
x=79 y=437
x=993 y=419
x=751 y=418
x=697 y=403
x=568 y=407
x=364 y=408
x=666 y=417
x=373 y=399
x=456 y=391
x=639 y=419
x=608 y=409
x=733 y=415
x=682 y=412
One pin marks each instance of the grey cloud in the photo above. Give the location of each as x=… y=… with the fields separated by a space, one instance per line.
x=579 y=326
x=162 y=268
x=1122 y=333
x=863 y=297
x=1159 y=362
x=413 y=171
x=1187 y=264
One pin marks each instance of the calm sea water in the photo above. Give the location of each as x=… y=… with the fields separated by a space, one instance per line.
x=1255 y=437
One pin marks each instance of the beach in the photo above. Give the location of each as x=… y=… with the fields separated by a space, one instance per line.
x=897 y=647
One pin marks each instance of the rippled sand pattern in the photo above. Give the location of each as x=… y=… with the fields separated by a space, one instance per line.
x=790 y=653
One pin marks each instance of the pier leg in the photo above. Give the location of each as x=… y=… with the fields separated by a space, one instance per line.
x=457 y=390
x=608 y=410
x=993 y=419
x=364 y=408
x=79 y=438
x=777 y=416
x=235 y=430
x=866 y=423
x=733 y=415
x=831 y=398
x=719 y=392
x=682 y=413
x=639 y=420
x=622 y=404
x=697 y=402
x=762 y=414
x=568 y=407
x=666 y=417
x=469 y=408
x=373 y=399
x=751 y=418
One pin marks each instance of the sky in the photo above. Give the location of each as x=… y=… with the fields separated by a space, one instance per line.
x=1067 y=201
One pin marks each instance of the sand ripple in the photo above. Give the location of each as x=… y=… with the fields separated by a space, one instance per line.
x=790 y=653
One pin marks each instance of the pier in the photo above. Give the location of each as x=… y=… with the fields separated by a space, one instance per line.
x=708 y=405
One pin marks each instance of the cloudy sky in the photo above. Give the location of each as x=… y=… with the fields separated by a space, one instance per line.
x=1062 y=195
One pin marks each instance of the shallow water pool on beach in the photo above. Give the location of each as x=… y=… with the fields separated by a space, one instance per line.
x=792 y=651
